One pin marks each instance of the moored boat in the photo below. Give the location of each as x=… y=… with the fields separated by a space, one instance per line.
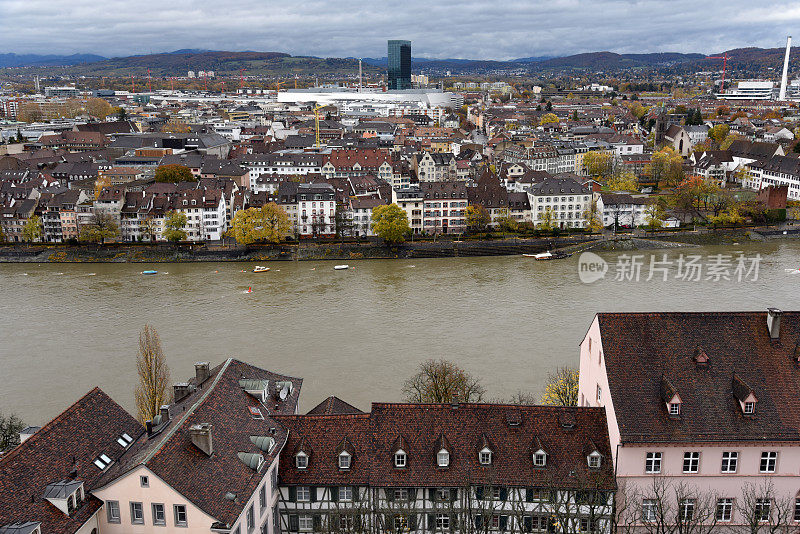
x=149 y=272
x=260 y=269
x=341 y=267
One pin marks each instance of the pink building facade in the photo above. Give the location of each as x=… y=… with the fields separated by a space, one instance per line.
x=701 y=406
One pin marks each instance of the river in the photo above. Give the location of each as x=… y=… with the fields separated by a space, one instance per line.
x=356 y=333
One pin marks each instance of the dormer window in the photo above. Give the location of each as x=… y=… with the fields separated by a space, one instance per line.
x=443 y=458
x=400 y=459
x=485 y=457
x=674 y=408
x=255 y=412
x=749 y=408
x=540 y=458
x=301 y=460
x=344 y=460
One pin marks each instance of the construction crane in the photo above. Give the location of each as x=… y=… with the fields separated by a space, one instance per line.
x=241 y=78
x=724 y=57
x=149 y=85
x=133 y=85
x=278 y=85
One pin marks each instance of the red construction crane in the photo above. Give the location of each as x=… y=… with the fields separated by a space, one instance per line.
x=241 y=78
x=724 y=57
x=149 y=85
x=133 y=85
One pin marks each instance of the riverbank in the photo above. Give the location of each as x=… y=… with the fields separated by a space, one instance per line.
x=443 y=248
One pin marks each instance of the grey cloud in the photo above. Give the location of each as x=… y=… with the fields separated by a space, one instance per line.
x=473 y=29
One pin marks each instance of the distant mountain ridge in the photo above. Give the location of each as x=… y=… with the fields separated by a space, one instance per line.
x=37 y=60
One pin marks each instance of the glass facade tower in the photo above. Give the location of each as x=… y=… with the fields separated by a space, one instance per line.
x=399 y=65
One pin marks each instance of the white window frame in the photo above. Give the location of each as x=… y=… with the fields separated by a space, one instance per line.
x=724 y=504
x=771 y=459
x=112 y=506
x=162 y=522
x=301 y=460
x=136 y=505
x=305 y=523
x=344 y=460
x=652 y=463
x=674 y=408
x=649 y=510
x=693 y=457
x=485 y=457
x=443 y=458
x=306 y=494
x=749 y=408
x=345 y=493
x=442 y=522
x=400 y=459
x=177 y=511
x=732 y=459
x=540 y=459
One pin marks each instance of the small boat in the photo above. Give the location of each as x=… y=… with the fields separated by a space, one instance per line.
x=149 y=272
x=548 y=255
x=340 y=267
x=260 y=269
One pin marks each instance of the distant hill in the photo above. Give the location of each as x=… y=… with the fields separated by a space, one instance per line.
x=614 y=61
x=36 y=60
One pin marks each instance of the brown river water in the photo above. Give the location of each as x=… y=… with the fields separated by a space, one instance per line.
x=355 y=333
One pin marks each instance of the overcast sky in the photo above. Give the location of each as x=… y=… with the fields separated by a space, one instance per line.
x=474 y=29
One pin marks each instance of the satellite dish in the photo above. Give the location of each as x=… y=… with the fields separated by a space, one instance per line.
x=284 y=393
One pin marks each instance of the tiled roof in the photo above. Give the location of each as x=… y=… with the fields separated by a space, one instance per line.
x=333 y=405
x=222 y=402
x=64 y=449
x=422 y=430
x=643 y=351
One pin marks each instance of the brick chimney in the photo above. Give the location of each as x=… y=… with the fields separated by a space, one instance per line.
x=774 y=322
x=201 y=437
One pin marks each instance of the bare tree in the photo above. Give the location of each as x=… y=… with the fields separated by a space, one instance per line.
x=153 y=389
x=680 y=508
x=763 y=512
x=10 y=427
x=442 y=381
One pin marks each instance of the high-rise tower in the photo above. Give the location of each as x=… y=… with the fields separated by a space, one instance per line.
x=399 y=65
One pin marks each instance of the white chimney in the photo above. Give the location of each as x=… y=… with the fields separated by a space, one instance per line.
x=774 y=322
x=785 y=76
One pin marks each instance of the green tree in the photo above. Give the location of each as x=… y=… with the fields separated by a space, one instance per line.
x=718 y=133
x=120 y=113
x=174 y=224
x=597 y=163
x=548 y=219
x=174 y=173
x=729 y=139
x=666 y=166
x=561 y=388
x=506 y=223
x=442 y=381
x=654 y=216
x=32 y=230
x=268 y=223
x=594 y=218
x=390 y=223
x=476 y=217
x=10 y=427
x=625 y=181
x=102 y=226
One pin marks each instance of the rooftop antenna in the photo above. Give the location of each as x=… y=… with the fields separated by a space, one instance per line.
x=785 y=76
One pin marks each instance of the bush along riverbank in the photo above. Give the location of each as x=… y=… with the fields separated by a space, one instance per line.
x=334 y=250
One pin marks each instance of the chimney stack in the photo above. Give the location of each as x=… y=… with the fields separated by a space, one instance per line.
x=181 y=390
x=164 y=411
x=201 y=437
x=774 y=322
x=201 y=372
x=785 y=76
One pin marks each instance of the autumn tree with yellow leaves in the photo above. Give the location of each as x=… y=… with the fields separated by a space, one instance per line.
x=562 y=388
x=153 y=389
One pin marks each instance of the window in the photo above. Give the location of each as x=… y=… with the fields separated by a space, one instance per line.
x=262 y=496
x=346 y=523
x=159 y=516
x=301 y=460
x=112 y=511
x=539 y=459
x=344 y=461
x=124 y=440
x=749 y=408
x=102 y=461
x=729 y=462
x=137 y=513
x=443 y=494
x=687 y=509
x=588 y=525
x=768 y=460
x=762 y=509
x=399 y=459
x=179 y=510
x=649 y=509
x=797 y=509
x=674 y=408
x=400 y=494
x=652 y=463
x=593 y=460
x=144 y=481
x=345 y=493
x=691 y=462
x=485 y=457
x=724 y=509
x=255 y=413
x=442 y=522
x=305 y=522
x=443 y=458
x=273 y=480
x=303 y=493
x=400 y=523
x=599 y=393
x=251 y=519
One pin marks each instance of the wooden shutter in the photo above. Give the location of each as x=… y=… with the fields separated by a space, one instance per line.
x=479 y=493
x=432 y=494
x=294 y=523
x=312 y=493
x=292 y=494
x=503 y=522
x=431 y=522
x=356 y=496
x=527 y=523
x=453 y=494
x=528 y=495
x=503 y=494
x=389 y=492
x=317 y=522
x=334 y=493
